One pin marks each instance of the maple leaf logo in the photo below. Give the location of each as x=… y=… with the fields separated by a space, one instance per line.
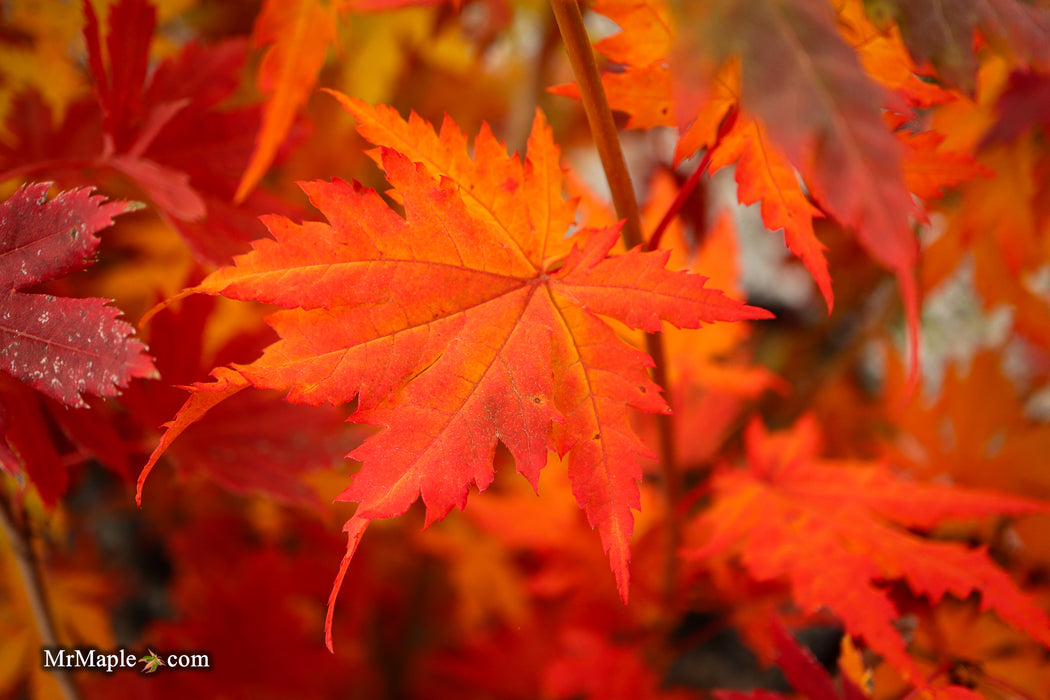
x=152 y=662
x=468 y=321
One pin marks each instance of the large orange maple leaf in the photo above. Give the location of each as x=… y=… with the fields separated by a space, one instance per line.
x=471 y=320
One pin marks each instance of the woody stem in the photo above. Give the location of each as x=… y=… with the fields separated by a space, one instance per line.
x=36 y=592
x=607 y=140
x=600 y=118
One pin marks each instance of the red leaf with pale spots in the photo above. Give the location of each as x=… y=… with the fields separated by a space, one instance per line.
x=58 y=346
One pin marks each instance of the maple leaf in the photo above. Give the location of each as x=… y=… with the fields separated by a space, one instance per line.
x=471 y=320
x=885 y=58
x=641 y=89
x=299 y=33
x=807 y=86
x=941 y=32
x=251 y=443
x=164 y=129
x=763 y=175
x=58 y=346
x=837 y=130
x=151 y=662
x=130 y=124
x=930 y=171
x=831 y=529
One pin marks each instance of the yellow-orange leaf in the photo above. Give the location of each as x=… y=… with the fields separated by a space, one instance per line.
x=299 y=33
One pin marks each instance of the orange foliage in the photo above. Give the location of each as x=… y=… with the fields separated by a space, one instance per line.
x=365 y=346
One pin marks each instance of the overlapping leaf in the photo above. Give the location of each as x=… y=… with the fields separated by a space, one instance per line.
x=941 y=32
x=885 y=58
x=764 y=176
x=642 y=88
x=166 y=128
x=469 y=321
x=807 y=86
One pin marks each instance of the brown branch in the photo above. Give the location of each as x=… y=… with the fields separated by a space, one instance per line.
x=36 y=592
x=599 y=116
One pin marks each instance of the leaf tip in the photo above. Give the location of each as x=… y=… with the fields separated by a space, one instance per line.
x=354 y=529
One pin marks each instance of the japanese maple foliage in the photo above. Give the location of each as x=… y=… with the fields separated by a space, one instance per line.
x=797 y=383
x=518 y=355
x=842 y=512
x=61 y=347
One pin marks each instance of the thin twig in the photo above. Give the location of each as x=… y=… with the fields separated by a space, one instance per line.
x=33 y=583
x=599 y=116
x=689 y=185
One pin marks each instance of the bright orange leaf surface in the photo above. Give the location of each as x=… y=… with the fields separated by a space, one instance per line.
x=467 y=322
x=764 y=176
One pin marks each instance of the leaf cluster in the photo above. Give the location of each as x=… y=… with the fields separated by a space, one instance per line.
x=797 y=388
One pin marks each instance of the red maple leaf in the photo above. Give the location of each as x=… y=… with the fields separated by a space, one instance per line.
x=833 y=531
x=251 y=443
x=60 y=347
x=166 y=130
x=471 y=320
